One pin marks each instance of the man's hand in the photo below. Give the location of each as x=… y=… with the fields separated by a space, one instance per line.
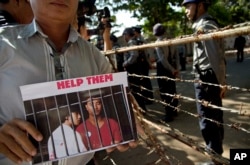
x=123 y=147
x=106 y=35
x=14 y=142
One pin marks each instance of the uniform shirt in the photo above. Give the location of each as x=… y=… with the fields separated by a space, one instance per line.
x=25 y=58
x=181 y=50
x=119 y=58
x=96 y=138
x=140 y=40
x=130 y=57
x=163 y=54
x=209 y=53
x=65 y=142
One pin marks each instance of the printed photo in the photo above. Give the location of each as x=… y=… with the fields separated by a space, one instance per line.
x=80 y=122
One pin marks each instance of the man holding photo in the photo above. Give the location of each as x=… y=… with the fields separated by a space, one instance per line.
x=41 y=51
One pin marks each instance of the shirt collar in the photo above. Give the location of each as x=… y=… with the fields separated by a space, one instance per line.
x=33 y=28
x=198 y=21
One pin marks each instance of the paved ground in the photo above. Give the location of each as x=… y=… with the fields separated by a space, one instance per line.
x=237 y=76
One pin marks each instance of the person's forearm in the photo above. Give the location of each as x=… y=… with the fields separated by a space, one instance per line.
x=106 y=38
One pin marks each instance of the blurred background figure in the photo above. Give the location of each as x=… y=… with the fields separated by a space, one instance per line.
x=138 y=35
x=144 y=66
x=167 y=65
x=182 y=55
x=131 y=64
x=239 y=45
x=119 y=58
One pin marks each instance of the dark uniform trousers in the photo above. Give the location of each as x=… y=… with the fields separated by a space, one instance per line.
x=212 y=133
x=146 y=82
x=167 y=86
x=133 y=69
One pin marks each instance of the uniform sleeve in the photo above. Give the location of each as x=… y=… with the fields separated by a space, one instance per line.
x=215 y=52
x=176 y=57
x=133 y=55
x=162 y=54
x=132 y=58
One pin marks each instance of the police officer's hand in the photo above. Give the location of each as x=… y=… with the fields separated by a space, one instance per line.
x=176 y=73
x=14 y=142
x=223 y=92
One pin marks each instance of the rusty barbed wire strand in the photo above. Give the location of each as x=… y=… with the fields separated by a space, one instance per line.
x=203 y=102
x=151 y=141
x=228 y=87
x=178 y=135
x=188 y=141
x=228 y=31
x=174 y=133
x=235 y=126
x=153 y=144
x=239 y=29
x=156 y=144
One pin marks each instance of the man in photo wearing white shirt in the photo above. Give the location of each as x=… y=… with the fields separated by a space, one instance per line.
x=65 y=141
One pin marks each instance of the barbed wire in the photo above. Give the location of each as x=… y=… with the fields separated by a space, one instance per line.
x=203 y=102
x=236 y=126
x=154 y=144
x=228 y=31
x=178 y=135
x=227 y=87
x=158 y=147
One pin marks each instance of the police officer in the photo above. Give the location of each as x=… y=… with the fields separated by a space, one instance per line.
x=166 y=66
x=118 y=56
x=239 y=44
x=131 y=65
x=209 y=66
x=145 y=65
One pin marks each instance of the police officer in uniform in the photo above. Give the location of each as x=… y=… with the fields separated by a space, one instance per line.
x=167 y=65
x=209 y=66
x=145 y=65
x=131 y=66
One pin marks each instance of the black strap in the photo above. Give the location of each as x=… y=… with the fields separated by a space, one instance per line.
x=59 y=68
